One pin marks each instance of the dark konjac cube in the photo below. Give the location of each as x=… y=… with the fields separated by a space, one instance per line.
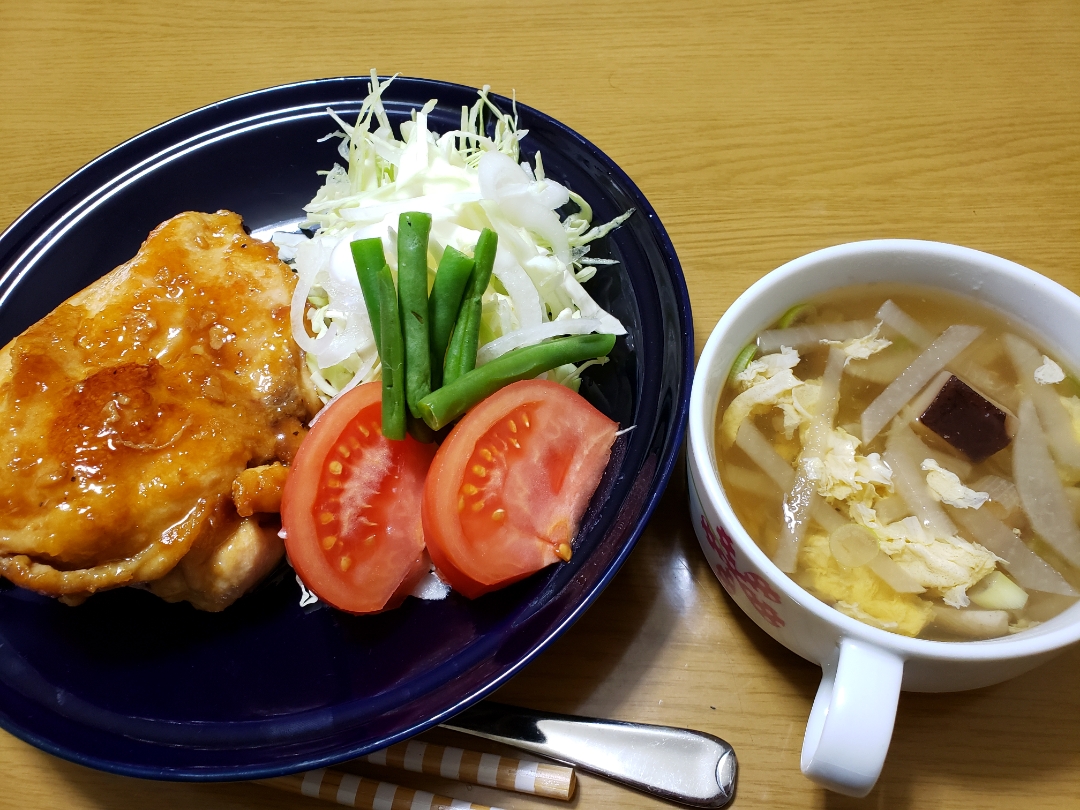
x=967 y=420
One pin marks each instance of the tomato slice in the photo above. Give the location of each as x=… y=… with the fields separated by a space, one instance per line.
x=351 y=507
x=508 y=486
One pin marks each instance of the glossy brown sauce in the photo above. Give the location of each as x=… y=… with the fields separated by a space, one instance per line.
x=145 y=394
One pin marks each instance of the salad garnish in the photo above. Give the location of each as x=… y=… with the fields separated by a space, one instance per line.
x=465 y=180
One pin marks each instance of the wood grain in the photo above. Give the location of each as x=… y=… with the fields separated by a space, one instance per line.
x=759 y=131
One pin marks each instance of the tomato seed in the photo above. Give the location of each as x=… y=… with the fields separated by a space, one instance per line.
x=343 y=451
x=476 y=507
x=469 y=489
x=525 y=419
x=335 y=467
x=328 y=542
x=479 y=470
x=512 y=424
x=326 y=517
x=498 y=514
x=486 y=455
x=345 y=563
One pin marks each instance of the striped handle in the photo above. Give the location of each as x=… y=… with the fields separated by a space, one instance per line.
x=490 y=770
x=366 y=794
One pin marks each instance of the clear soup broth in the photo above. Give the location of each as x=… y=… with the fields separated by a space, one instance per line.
x=910 y=457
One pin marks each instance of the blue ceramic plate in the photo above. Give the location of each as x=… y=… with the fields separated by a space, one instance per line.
x=130 y=684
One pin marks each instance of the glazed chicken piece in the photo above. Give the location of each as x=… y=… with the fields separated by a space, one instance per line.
x=128 y=412
x=224 y=563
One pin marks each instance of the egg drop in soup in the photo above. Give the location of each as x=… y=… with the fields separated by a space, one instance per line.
x=911 y=457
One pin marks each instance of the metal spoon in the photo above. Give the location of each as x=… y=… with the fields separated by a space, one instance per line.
x=689 y=767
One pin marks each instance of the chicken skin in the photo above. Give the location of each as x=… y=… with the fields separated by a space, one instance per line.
x=128 y=412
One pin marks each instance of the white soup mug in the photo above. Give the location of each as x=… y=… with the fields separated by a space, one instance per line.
x=864 y=668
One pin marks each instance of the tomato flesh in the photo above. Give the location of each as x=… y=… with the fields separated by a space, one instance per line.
x=507 y=488
x=351 y=507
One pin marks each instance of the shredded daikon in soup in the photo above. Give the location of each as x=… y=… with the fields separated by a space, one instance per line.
x=911 y=459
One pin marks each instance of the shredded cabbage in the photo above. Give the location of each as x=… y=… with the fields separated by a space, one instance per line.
x=466 y=181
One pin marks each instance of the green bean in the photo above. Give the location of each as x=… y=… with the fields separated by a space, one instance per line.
x=461 y=354
x=441 y=407
x=468 y=323
x=418 y=429
x=443 y=305
x=392 y=356
x=369 y=259
x=412 y=243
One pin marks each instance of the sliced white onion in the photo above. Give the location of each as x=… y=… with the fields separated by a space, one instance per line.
x=589 y=308
x=414 y=157
x=551 y=194
x=535 y=334
x=521 y=290
x=297 y=310
x=353 y=330
x=498 y=172
x=805 y=337
x=1029 y=569
x=901 y=391
x=505 y=182
x=311 y=256
x=1042 y=494
x=324 y=341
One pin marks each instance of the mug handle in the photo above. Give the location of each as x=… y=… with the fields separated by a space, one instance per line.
x=851 y=722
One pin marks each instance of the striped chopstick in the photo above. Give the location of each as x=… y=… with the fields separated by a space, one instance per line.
x=366 y=794
x=489 y=770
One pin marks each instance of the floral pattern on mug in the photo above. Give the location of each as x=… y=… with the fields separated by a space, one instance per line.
x=757 y=590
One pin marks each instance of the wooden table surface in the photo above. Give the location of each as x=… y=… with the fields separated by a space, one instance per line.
x=759 y=131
